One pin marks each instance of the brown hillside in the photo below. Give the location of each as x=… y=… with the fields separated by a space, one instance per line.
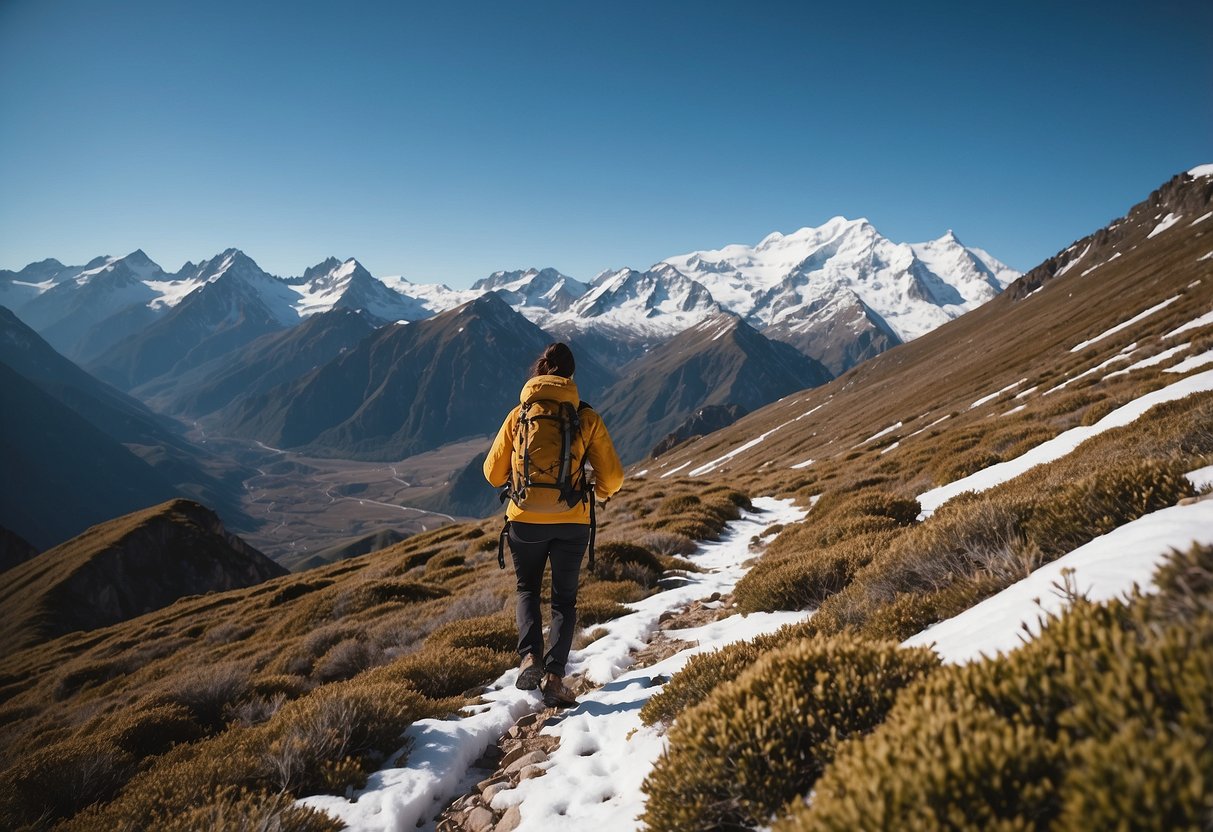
x=124 y=568
x=1021 y=340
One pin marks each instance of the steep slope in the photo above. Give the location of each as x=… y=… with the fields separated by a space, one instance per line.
x=126 y=567
x=189 y=469
x=276 y=358
x=721 y=361
x=703 y=421
x=406 y=388
x=1147 y=273
x=63 y=474
x=236 y=303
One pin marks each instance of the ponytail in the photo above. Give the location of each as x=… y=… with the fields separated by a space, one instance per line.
x=557 y=360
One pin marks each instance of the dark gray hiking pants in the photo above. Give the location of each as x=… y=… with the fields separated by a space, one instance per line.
x=532 y=546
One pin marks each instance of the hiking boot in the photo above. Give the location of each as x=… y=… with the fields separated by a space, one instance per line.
x=529 y=673
x=556 y=694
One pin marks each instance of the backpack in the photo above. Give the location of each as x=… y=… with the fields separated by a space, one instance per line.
x=545 y=476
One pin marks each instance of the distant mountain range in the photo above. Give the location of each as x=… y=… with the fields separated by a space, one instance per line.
x=339 y=363
x=839 y=293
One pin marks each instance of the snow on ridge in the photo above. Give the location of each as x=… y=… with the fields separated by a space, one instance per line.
x=914 y=287
x=1063 y=443
x=1201 y=170
x=1167 y=221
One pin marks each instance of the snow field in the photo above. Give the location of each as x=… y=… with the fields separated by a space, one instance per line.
x=593 y=778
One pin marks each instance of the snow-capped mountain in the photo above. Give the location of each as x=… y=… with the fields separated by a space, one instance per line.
x=234 y=302
x=534 y=291
x=847 y=277
x=840 y=293
x=337 y=285
x=631 y=305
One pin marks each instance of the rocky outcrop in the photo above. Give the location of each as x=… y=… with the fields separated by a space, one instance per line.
x=702 y=422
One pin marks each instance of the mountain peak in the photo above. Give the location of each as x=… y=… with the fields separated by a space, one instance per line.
x=322 y=268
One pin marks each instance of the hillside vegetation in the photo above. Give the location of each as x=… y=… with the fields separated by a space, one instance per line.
x=231 y=701
x=230 y=705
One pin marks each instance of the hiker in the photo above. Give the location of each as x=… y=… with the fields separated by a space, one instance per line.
x=539 y=461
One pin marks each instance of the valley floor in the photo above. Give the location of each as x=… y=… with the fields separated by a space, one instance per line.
x=303 y=504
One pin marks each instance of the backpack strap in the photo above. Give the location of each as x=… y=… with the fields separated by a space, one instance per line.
x=593 y=529
x=505 y=532
x=567 y=418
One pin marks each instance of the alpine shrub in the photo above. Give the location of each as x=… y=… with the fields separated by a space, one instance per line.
x=233 y=809
x=1102 y=502
x=497 y=632
x=965 y=770
x=441 y=671
x=615 y=561
x=667 y=543
x=697 y=679
x=804 y=580
x=1102 y=721
x=764 y=738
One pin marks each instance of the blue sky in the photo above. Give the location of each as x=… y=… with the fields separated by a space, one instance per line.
x=445 y=141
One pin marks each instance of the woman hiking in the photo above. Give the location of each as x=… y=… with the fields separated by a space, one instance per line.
x=539 y=458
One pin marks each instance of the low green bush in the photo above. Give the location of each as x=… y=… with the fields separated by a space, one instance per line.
x=616 y=561
x=764 y=738
x=1100 y=503
x=498 y=632
x=697 y=679
x=1101 y=722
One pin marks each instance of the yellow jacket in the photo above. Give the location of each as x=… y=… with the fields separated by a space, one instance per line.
x=593 y=441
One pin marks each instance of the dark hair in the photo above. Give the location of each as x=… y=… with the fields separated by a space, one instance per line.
x=557 y=360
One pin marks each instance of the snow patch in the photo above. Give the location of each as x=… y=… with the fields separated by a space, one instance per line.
x=1195 y=323
x=1167 y=221
x=1121 y=326
x=1105 y=568
x=1063 y=443
x=996 y=394
x=1192 y=362
x=1148 y=362
x=878 y=434
x=1201 y=170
